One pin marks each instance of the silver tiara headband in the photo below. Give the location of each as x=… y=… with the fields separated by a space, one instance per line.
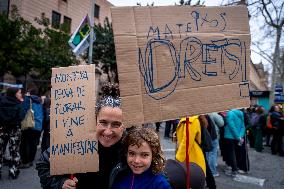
x=108 y=101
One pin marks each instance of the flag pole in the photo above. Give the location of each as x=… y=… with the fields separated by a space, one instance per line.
x=92 y=14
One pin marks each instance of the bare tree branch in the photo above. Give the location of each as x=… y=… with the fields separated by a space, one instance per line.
x=281 y=9
x=281 y=23
x=276 y=11
x=231 y=3
x=261 y=54
x=265 y=17
x=270 y=22
x=252 y=3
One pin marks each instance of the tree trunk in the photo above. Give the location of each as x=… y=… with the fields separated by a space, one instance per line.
x=276 y=62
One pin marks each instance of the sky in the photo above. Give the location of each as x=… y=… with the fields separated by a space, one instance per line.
x=255 y=33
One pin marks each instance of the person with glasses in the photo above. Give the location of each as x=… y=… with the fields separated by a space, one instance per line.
x=109 y=132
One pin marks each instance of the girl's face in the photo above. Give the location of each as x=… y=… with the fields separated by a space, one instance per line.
x=139 y=159
x=109 y=126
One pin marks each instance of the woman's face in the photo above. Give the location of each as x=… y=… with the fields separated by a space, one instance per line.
x=109 y=126
x=19 y=95
x=277 y=109
x=139 y=159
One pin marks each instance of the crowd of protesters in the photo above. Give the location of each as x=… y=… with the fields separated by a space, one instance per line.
x=232 y=132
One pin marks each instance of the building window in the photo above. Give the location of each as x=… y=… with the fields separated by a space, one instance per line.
x=67 y=24
x=4 y=7
x=97 y=11
x=55 y=23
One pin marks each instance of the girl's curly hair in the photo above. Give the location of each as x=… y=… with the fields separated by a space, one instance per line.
x=137 y=136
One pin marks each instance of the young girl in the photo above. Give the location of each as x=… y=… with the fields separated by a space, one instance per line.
x=145 y=162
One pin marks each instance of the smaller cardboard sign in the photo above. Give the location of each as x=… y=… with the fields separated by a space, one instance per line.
x=73 y=144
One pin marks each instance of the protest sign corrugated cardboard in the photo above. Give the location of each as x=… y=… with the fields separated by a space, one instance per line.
x=179 y=60
x=73 y=144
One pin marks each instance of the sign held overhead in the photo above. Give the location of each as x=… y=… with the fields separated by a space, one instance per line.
x=179 y=60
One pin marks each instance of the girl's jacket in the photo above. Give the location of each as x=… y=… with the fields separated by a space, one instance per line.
x=195 y=152
x=123 y=178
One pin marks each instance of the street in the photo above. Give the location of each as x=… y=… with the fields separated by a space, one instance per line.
x=262 y=166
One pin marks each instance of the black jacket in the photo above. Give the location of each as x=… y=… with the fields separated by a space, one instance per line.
x=11 y=112
x=120 y=169
x=211 y=128
x=276 y=119
x=108 y=159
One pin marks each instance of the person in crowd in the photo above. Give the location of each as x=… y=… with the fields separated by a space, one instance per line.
x=221 y=134
x=277 y=122
x=268 y=129
x=258 y=127
x=171 y=125
x=242 y=151
x=215 y=121
x=11 y=115
x=195 y=153
x=46 y=124
x=31 y=136
x=145 y=162
x=252 y=115
x=109 y=131
x=207 y=146
x=234 y=136
x=158 y=124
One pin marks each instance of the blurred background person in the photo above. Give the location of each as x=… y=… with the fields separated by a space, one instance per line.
x=46 y=124
x=11 y=115
x=258 y=127
x=30 y=137
x=277 y=133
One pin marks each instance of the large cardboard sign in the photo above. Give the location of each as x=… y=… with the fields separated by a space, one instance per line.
x=73 y=144
x=180 y=60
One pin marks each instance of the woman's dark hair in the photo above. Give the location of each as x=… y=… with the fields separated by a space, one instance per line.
x=203 y=120
x=272 y=109
x=260 y=109
x=11 y=92
x=136 y=136
x=46 y=102
x=110 y=97
x=34 y=91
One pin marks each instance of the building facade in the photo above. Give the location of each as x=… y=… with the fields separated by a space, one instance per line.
x=59 y=12
x=67 y=12
x=259 y=91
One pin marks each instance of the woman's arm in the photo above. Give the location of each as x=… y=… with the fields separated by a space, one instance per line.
x=48 y=181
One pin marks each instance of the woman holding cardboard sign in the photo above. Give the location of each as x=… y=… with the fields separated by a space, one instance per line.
x=109 y=130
